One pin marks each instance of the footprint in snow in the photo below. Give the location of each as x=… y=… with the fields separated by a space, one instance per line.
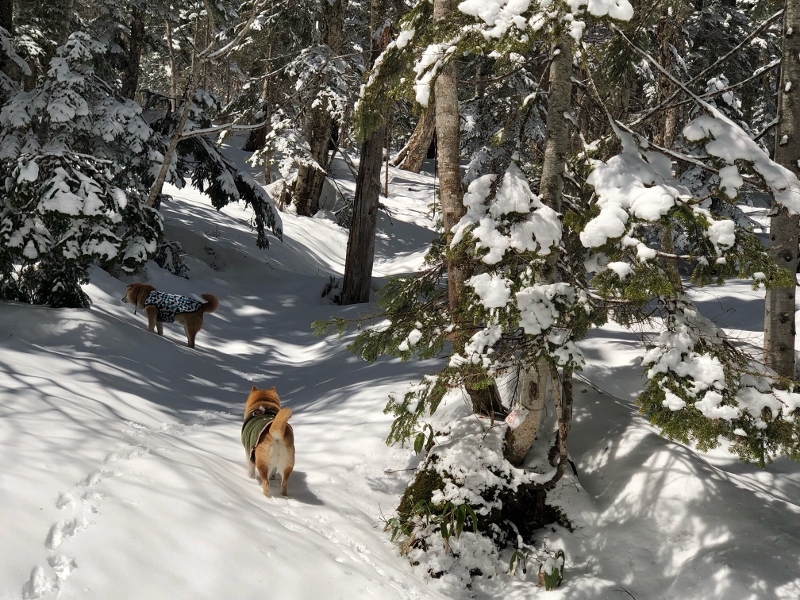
x=83 y=501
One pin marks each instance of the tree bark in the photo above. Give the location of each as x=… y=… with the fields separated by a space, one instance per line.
x=361 y=240
x=535 y=388
x=485 y=401
x=411 y=156
x=559 y=103
x=317 y=124
x=7 y=15
x=7 y=23
x=449 y=154
x=173 y=77
x=779 y=328
x=665 y=133
x=556 y=147
x=258 y=137
x=130 y=75
x=188 y=96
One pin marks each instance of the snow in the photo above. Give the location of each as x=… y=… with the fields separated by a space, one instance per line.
x=539 y=231
x=123 y=474
x=729 y=142
x=493 y=290
x=501 y=15
x=28 y=172
x=635 y=181
x=404 y=37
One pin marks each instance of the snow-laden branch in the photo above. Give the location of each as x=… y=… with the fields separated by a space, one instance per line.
x=727 y=141
x=765 y=25
x=219 y=128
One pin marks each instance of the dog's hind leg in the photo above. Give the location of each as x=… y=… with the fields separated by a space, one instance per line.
x=160 y=327
x=262 y=464
x=192 y=323
x=251 y=467
x=285 y=478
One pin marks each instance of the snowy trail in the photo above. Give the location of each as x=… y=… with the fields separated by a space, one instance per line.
x=155 y=474
x=123 y=475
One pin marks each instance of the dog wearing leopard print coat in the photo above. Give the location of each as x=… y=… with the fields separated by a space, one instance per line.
x=161 y=308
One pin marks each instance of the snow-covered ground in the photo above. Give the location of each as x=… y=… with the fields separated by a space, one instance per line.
x=123 y=475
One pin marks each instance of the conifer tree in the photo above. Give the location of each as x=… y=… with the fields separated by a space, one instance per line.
x=75 y=159
x=541 y=268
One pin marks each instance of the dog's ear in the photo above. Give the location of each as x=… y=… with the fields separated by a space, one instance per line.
x=255 y=389
x=272 y=389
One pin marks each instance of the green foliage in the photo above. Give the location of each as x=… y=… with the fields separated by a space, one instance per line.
x=518 y=561
x=552 y=571
x=76 y=170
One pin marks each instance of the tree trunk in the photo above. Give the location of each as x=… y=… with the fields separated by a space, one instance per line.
x=535 y=388
x=665 y=133
x=130 y=75
x=173 y=78
x=7 y=15
x=317 y=125
x=7 y=23
x=258 y=137
x=556 y=147
x=484 y=400
x=361 y=240
x=188 y=96
x=449 y=154
x=779 y=328
x=559 y=101
x=563 y=402
x=411 y=156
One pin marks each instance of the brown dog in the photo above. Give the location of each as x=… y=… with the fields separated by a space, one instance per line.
x=268 y=438
x=166 y=308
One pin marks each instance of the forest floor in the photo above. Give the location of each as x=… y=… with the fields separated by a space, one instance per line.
x=123 y=475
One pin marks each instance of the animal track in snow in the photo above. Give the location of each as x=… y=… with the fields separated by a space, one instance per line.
x=83 y=502
x=63 y=530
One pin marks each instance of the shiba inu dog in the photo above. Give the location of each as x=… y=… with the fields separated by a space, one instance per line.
x=167 y=308
x=268 y=438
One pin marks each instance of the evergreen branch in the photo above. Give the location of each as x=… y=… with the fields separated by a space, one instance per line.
x=225 y=127
x=770 y=67
x=694 y=160
x=680 y=85
x=766 y=129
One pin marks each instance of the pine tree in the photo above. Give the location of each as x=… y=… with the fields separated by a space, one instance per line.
x=75 y=161
x=539 y=269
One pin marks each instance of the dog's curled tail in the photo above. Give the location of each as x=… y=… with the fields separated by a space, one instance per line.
x=279 y=424
x=211 y=303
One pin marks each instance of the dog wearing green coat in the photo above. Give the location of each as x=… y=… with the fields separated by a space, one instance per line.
x=268 y=438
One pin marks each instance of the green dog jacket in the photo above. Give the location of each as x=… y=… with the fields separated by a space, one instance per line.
x=255 y=426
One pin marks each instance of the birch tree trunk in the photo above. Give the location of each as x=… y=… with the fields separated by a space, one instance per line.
x=317 y=125
x=535 y=388
x=411 y=156
x=361 y=240
x=779 y=328
x=538 y=383
x=188 y=96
